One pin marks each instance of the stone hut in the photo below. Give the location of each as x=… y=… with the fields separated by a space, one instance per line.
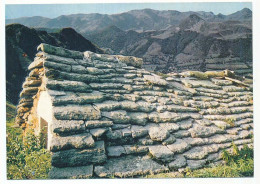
x=102 y=115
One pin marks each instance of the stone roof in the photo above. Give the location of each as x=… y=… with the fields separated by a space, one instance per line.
x=113 y=118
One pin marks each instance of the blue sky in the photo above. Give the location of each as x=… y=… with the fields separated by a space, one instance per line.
x=55 y=10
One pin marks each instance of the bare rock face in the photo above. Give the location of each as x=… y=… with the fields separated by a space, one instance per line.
x=117 y=120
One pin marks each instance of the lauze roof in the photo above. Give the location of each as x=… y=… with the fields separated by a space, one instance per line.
x=112 y=118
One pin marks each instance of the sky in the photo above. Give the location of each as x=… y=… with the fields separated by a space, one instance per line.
x=55 y=10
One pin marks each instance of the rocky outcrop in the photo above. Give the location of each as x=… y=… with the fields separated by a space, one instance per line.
x=112 y=118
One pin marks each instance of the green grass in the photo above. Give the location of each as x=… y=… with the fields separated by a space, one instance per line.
x=26 y=158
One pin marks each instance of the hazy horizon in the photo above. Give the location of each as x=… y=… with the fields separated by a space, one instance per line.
x=55 y=10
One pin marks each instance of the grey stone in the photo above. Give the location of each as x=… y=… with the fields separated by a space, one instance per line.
x=126 y=132
x=179 y=146
x=37 y=63
x=60 y=51
x=214 y=157
x=129 y=166
x=179 y=162
x=196 y=164
x=108 y=105
x=221 y=138
x=78 y=69
x=182 y=134
x=170 y=127
x=158 y=133
x=76 y=112
x=202 y=131
x=78 y=141
x=80 y=157
x=29 y=91
x=185 y=124
x=99 y=86
x=135 y=149
x=67 y=85
x=155 y=79
x=98 y=124
x=163 y=117
x=67 y=127
x=114 y=135
x=119 y=116
x=204 y=122
x=145 y=141
x=129 y=106
x=244 y=134
x=79 y=98
x=161 y=153
x=150 y=99
x=138 y=118
x=115 y=151
x=145 y=106
x=196 y=141
x=57 y=66
x=120 y=126
x=196 y=153
x=71 y=172
x=171 y=139
x=138 y=131
x=98 y=132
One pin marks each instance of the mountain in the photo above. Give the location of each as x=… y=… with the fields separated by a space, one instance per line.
x=242 y=15
x=21 y=43
x=190 y=21
x=194 y=44
x=137 y=20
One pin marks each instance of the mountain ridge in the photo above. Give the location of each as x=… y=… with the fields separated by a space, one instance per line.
x=21 y=44
x=139 y=20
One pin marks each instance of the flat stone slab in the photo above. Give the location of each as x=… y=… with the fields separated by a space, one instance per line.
x=80 y=157
x=204 y=131
x=161 y=153
x=158 y=133
x=196 y=164
x=115 y=151
x=179 y=162
x=71 y=172
x=129 y=166
x=179 y=146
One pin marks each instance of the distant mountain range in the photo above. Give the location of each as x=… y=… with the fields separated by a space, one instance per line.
x=138 y=20
x=194 y=44
x=21 y=44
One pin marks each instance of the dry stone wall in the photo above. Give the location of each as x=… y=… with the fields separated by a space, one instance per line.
x=113 y=118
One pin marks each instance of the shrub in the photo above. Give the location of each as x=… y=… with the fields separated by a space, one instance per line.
x=26 y=159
